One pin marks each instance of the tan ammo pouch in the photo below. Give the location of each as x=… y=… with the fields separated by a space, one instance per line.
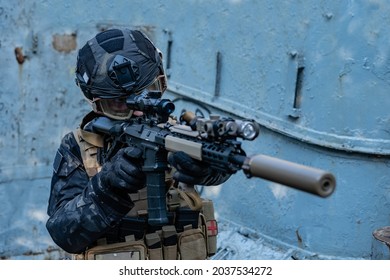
x=192 y=245
x=170 y=252
x=153 y=241
x=169 y=236
x=130 y=250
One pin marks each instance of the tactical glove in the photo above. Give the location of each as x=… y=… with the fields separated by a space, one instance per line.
x=123 y=172
x=195 y=172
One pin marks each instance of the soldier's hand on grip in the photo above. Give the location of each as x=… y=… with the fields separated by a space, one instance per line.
x=123 y=171
x=194 y=172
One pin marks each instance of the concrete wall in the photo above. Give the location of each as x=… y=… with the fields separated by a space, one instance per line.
x=314 y=74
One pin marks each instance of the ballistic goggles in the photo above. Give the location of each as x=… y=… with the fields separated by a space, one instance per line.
x=116 y=108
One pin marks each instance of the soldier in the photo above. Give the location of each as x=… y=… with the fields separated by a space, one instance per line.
x=97 y=209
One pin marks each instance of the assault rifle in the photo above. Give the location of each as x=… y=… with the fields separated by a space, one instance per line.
x=213 y=141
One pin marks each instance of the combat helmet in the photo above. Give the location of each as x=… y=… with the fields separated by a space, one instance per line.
x=115 y=64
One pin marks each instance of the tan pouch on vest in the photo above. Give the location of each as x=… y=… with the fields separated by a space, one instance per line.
x=153 y=241
x=192 y=245
x=169 y=236
x=210 y=226
x=132 y=250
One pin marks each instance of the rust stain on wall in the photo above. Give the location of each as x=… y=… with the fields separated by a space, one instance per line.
x=64 y=42
x=19 y=55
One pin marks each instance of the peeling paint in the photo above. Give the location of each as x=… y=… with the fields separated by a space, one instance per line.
x=348 y=113
x=279 y=191
x=64 y=42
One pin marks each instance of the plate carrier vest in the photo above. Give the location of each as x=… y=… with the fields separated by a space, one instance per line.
x=193 y=241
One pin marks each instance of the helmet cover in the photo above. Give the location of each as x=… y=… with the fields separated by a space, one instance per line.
x=116 y=63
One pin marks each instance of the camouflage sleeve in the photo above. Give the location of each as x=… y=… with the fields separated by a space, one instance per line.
x=79 y=211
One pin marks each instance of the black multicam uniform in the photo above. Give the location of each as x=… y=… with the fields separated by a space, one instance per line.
x=81 y=214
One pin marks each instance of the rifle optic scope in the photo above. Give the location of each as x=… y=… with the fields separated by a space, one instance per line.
x=150 y=102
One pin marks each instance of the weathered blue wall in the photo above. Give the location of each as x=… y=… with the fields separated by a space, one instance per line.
x=335 y=117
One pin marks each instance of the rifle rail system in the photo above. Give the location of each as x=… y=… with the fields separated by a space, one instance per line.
x=213 y=141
